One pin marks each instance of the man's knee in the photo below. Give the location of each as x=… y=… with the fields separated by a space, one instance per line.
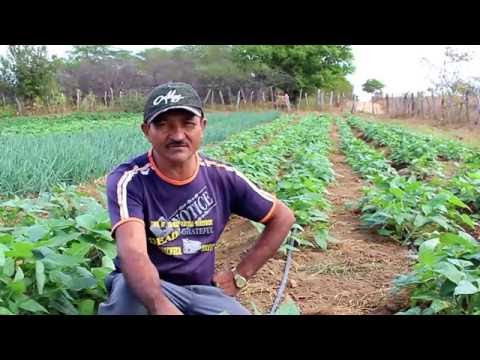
x=121 y=299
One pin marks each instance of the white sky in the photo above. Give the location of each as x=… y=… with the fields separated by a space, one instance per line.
x=399 y=67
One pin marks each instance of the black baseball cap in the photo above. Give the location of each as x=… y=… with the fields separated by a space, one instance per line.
x=169 y=96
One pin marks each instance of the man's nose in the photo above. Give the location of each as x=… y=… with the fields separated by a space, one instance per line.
x=176 y=133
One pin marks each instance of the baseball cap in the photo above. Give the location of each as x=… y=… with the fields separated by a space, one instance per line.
x=169 y=96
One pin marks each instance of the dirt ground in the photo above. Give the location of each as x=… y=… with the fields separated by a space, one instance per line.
x=354 y=275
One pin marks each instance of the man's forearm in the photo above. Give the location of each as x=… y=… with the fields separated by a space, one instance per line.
x=267 y=245
x=142 y=277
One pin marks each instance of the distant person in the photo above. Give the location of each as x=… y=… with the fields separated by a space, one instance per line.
x=168 y=208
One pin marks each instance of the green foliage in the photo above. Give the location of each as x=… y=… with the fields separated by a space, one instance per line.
x=310 y=65
x=54 y=261
x=78 y=151
x=29 y=71
x=372 y=85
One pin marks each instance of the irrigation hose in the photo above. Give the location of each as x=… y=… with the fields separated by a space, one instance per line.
x=283 y=283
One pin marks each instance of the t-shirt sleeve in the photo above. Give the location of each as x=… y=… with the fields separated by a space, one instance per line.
x=125 y=201
x=249 y=200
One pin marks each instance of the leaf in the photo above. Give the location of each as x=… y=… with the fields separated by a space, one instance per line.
x=384 y=232
x=5 y=311
x=32 y=306
x=439 y=305
x=107 y=262
x=420 y=220
x=456 y=201
x=86 y=221
x=440 y=220
x=108 y=248
x=40 y=276
x=429 y=244
x=449 y=271
x=62 y=260
x=3 y=248
x=460 y=263
x=412 y=311
x=465 y=287
x=21 y=249
x=288 y=308
x=9 y=267
x=19 y=275
x=86 y=307
x=321 y=239
x=63 y=239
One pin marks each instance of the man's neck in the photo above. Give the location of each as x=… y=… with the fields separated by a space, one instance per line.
x=175 y=170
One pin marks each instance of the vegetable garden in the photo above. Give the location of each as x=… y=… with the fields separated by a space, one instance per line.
x=421 y=196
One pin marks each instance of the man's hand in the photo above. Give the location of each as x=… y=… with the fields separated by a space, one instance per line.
x=225 y=281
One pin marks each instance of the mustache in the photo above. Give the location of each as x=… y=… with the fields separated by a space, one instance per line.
x=176 y=143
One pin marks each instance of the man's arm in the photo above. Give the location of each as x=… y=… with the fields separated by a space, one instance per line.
x=140 y=273
x=272 y=237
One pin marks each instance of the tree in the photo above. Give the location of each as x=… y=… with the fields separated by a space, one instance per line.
x=311 y=66
x=28 y=71
x=372 y=86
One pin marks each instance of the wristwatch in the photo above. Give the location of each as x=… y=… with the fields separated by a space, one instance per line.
x=240 y=281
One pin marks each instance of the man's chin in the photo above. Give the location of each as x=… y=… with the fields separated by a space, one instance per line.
x=179 y=154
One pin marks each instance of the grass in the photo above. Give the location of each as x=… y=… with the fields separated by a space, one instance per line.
x=33 y=163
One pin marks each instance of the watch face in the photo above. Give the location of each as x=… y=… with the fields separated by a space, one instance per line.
x=240 y=281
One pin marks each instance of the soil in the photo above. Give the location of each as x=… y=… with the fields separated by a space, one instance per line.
x=353 y=276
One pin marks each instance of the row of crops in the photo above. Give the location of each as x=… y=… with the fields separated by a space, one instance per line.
x=56 y=249
x=38 y=153
x=434 y=214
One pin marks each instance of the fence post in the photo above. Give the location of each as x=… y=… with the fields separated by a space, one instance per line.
x=113 y=99
x=78 y=99
x=299 y=99
x=206 y=97
x=467 y=113
x=238 y=99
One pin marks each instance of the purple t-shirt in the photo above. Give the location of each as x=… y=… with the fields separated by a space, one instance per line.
x=183 y=219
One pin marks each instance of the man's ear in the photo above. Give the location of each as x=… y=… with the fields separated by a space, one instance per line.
x=204 y=122
x=144 y=128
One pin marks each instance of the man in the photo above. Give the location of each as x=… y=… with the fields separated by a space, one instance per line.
x=168 y=208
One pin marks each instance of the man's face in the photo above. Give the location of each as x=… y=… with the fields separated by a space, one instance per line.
x=176 y=134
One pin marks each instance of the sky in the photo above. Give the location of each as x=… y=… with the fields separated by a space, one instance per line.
x=399 y=67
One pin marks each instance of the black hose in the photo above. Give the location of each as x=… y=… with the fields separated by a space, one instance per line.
x=283 y=283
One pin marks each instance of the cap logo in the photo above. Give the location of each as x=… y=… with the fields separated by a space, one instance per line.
x=171 y=96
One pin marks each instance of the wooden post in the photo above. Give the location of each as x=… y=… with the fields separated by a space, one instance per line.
x=467 y=113
x=299 y=99
x=3 y=99
x=243 y=95
x=263 y=97
x=212 y=96
x=331 y=99
x=422 y=110
x=387 y=103
x=105 y=98
x=221 y=97
x=318 y=96
x=434 y=109
x=413 y=104
x=19 y=106
x=251 y=97
x=78 y=99
x=272 y=97
x=322 y=99
x=238 y=99
x=207 y=96
x=306 y=98
x=113 y=99
x=354 y=108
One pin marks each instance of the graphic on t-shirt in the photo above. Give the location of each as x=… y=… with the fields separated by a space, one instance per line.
x=189 y=219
